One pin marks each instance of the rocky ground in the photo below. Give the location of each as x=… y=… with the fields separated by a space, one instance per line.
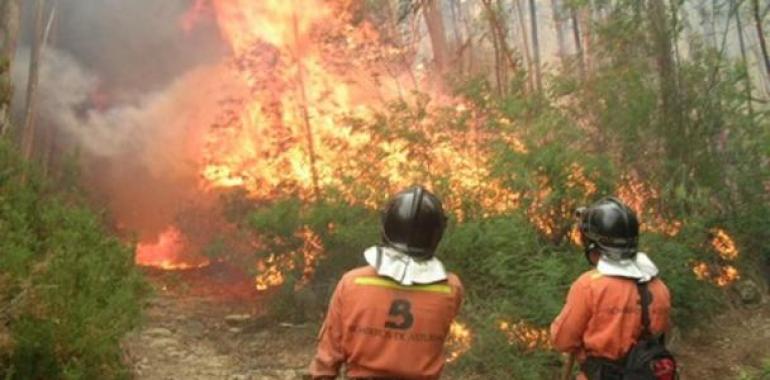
x=202 y=335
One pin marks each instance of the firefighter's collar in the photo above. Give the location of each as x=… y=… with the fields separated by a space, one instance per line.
x=639 y=267
x=403 y=268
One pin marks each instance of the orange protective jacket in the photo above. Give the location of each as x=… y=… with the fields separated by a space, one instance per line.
x=381 y=329
x=602 y=316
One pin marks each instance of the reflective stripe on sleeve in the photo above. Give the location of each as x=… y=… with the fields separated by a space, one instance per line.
x=386 y=283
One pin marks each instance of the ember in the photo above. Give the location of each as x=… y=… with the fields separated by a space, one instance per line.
x=526 y=335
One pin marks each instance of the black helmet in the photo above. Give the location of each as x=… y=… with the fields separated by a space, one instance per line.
x=413 y=222
x=611 y=227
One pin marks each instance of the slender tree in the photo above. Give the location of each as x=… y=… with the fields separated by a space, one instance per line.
x=744 y=60
x=28 y=133
x=558 y=22
x=761 y=34
x=524 y=42
x=435 y=22
x=578 y=42
x=672 y=127
x=9 y=29
x=303 y=106
x=535 y=44
x=586 y=27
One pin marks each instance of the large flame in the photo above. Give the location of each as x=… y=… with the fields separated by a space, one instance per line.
x=310 y=69
x=168 y=252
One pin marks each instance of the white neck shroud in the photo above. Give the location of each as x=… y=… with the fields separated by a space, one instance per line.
x=403 y=268
x=640 y=267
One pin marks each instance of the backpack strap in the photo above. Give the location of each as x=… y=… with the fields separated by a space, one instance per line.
x=645 y=299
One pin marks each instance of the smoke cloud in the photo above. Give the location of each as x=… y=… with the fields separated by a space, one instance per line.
x=128 y=86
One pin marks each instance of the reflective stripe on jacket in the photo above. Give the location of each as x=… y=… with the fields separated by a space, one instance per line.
x=602 y=316
x=380 y=328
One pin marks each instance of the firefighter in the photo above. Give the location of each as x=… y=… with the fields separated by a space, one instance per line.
x=602 y=318
x=389 y=319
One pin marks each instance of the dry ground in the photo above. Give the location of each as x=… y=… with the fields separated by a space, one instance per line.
x=192 y=332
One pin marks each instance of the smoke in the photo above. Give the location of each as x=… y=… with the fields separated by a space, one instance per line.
x=129 y=88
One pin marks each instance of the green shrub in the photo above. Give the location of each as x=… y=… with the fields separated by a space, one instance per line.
x=74 y=290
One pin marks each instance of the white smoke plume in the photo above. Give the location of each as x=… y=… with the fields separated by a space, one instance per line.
x=125 y=86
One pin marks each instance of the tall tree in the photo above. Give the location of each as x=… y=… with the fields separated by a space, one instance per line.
x=28 y=133
x=524 y=41
x=672 y=127
x=585 y=19
x=744 y=60
x=761 y=35
x=558 y=22
x=535 y=44
x=9 y=29
x=435 y=22
x=578 y=43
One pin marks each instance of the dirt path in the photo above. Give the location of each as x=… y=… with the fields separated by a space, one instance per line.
x=203 y=336
x=190 y=332
x=735 y=343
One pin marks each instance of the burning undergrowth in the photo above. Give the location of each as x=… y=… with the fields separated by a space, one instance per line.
x=265 y=165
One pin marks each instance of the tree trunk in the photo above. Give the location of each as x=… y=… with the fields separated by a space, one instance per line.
x=525 y=43
x=671 y=126
x=578 y=43
x=586 y=20
x=467 y=48
x=558 y=22
x=435 y=22
x=761 y=35
x=458 y=39
x=9 y=27
x=742 y=45
x=28 y=133
x=535 y=45
x=309 y=140
x=11 y=18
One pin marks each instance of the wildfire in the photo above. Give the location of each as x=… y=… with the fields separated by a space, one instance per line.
x=271 y=270
x=724 y=244
x=290 y=135
x=524 y=334
x=642 y=197
x=458 y=342
x=168 y=252
x=720 y=274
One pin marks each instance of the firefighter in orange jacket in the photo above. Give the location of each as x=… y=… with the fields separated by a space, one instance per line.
x=389 y=319
x=602 y=319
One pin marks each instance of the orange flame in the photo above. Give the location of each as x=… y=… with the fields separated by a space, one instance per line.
x=720 y=274
x=168 y=252
x=526 y=335
x=290 y=135
x=271 y=270
x=458 y=342
x=724 y=244
x=642 y=197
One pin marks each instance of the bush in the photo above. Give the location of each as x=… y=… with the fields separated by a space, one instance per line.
x=72 y=290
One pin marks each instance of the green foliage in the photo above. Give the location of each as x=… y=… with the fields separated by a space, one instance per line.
x=73 y=290
x=762 y=373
